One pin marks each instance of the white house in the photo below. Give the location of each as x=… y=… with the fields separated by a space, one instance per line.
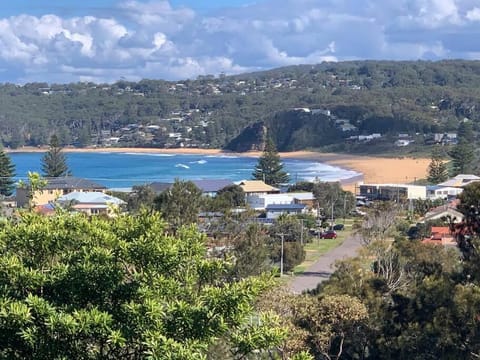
x=442 y=192
x=275 y=210
x=262 y=201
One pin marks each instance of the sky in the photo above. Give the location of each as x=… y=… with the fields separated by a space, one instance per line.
x=107 y=40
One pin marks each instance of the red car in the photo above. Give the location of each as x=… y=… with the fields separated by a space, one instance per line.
x=330 y=234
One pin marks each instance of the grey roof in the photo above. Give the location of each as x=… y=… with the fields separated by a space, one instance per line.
x=92 y=197
x=158 y=187
x=205 y=185
x=279 y=207
x=71 y=182
x=212 y=185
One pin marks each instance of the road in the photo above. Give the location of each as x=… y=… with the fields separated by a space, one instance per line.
x=323 y=267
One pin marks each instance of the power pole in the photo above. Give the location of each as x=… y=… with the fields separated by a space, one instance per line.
x=282 y=236
x=301 y=233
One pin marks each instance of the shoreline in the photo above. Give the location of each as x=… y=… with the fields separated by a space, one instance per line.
x=371 y=169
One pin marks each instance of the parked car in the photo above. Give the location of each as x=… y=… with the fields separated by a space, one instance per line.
x=330 y=234
x=338 y=227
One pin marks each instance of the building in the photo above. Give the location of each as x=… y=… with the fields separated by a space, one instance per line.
x=396 y=192
x=211 y=187
x=54 y=188
x=91 y=203
x=460 y=181
x=275 y=210
x=443 y=212
x=257 y=187
x=261 y=202
x=440 y=235
x=443 y=192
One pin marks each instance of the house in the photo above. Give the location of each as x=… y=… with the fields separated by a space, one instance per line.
x=275 y=210
x=210 y=187
x=444 y=211
x=159 y=187
x=442 y=192
x=440 y=235
x=91 y=203
x=460 y=181
x=257 y=187
x=54 y=188
x=262 y=201
x=392 y=191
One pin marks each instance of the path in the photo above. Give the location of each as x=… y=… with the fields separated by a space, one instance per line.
x=323 y=267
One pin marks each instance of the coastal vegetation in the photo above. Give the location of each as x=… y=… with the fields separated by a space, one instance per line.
x=308 y=106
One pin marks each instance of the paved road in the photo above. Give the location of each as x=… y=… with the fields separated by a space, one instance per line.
x=323 y=267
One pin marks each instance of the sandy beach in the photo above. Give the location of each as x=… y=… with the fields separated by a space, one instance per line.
x=374 y=169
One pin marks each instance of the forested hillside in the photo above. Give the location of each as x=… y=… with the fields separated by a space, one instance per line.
x=333 y=102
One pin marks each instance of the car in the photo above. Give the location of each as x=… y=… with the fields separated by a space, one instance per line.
x=338 y=227
x=330 y=234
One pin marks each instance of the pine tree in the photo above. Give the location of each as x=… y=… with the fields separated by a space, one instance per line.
x=462 y=158
x=437 y=169
x=7 y=172
x=54 y=162
x=269 y=167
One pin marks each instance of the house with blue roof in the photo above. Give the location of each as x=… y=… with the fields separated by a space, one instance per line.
x=91 y=203
x=275 y=210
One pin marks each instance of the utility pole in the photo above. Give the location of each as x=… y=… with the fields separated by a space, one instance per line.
x=301 y=233
x=331 y=224
x=282 y=236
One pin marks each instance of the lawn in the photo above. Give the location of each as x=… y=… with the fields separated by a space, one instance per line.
x=318 y=247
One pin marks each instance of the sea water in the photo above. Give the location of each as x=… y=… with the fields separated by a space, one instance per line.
x=120 y=170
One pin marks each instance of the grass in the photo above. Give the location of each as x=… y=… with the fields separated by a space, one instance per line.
x=318 y=247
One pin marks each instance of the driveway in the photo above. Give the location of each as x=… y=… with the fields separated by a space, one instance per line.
x=323 y=267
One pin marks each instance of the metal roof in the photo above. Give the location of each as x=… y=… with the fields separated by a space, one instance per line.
x=90 y=198
x=71 y=182
x=212 y=185
x=273 y=207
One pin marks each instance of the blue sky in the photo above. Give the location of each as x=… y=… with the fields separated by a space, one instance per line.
x=88 y=7
x=105 y=40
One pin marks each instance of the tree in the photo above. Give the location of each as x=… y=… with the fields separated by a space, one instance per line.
x=462 y=158
x=142 y=196
x=180 y=204
x=332 y=196
x=75 y=287
x=54 y=162
x=437 y=169
x=7 y=172
x=269 y=167
x=232 y=195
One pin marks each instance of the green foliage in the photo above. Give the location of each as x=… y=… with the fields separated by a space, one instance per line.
x=470 y=197
x=142 y=196
x=332 y=196
x=7 y=172
x=463 y=157
x=437 y=169
x=232 y=196
x=54 y=162
x=180 y=204
x=269 y=167
x=251 y=252
x=35 y=183
x=74 y=287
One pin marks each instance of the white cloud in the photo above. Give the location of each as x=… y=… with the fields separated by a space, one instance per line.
x=153 y=39
x=473 y=14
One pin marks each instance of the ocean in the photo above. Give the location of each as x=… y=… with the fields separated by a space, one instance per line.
x=122 y=170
